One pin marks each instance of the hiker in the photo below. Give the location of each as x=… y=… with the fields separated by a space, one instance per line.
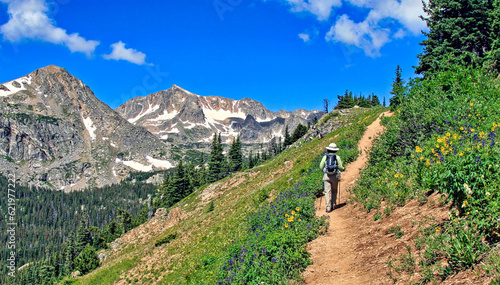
x=331 y=164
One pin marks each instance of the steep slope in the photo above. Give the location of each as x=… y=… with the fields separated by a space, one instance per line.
x=181 y=116
x=194 y=256
x=54 y=132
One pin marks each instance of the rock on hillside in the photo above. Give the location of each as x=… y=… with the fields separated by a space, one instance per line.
x=55 y=132
x=180 y=116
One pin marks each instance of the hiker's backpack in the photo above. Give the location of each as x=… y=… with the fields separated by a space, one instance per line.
x=331 y=165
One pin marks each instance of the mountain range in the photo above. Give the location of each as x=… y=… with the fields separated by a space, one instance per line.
x=178 y=115
x=54 y=132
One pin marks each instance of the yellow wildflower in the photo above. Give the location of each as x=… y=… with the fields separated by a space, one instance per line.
x=300 y=220
x=448 y=134
x=293 y=212
x=396 y=183
x=401 y=175
x=286 y=225
x=421 y=158
x=396 y=175
x=412 y=156
x=495 y=125
x=286 y=215
x=461 y=128
x=468 y=213
x=460 y=154
x=464 y=203
x=471 y=104
x=397 y=194
x=418 y=149
x=472 y=130
x=297 y=209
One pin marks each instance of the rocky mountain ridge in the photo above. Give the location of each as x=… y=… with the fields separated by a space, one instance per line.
x=177 y=115
x=54 y=132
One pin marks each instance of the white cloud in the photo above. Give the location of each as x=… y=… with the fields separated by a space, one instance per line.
x=372 y=33
x=129 y=54
x=29 y=20
x=305 y=37
x=322 y=9
x=399 y=34
x=406 y=12
x=386 y=20
x=362 y=35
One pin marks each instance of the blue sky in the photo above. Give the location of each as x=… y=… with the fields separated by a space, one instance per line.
x=287 y=54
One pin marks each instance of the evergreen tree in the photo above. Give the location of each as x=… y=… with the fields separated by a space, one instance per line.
x=83 y=236
x=375 y=102
x=398 y=89
x=181 y=184
x=345 y=101
x=251 y=162
x=69 y=256
x=459 y=32
x=493 y=55
x=384 y=102
x=87 y=260
x=364 y=102
x=288 y=138
x=235 y=156
x=46 y=273
x=216 y=162
x=126 y=220
x=300 y=130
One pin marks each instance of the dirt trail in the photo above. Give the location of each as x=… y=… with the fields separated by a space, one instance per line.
x=339 y=256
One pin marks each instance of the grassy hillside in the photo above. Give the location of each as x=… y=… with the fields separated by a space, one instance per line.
x=443 y=138
x=220 y=233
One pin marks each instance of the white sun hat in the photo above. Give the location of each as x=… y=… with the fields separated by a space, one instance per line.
x=332 y=147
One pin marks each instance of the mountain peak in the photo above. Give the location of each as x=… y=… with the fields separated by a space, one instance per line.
x=53 y=69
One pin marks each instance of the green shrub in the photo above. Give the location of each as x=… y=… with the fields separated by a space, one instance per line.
x=166 y=239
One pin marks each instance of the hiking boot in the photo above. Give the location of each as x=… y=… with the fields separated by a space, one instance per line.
x=328 y=211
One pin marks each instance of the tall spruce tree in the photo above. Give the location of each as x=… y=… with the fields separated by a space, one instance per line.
x=83 y=236
x=299 y=131
x=345 y=101
x=181 y=183
x=375 y=102
x=235 y=156
x=87 y=260
x=399 y=89
x=288 y=138
x=459 y=32
x=126 y=219
x=216 y=163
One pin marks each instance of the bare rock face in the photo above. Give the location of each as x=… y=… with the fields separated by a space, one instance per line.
x=55 y=133
x=180 y=116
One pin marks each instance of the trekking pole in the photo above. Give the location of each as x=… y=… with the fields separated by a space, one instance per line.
x=338 y=187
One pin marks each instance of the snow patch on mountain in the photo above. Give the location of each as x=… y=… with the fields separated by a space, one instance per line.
x=89 y=125
x=159 y=163
x=143 y=113
x=11 y=85
x=165 y=116
x=220 y=115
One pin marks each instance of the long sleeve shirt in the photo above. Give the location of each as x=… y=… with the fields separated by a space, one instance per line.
x=339 y=162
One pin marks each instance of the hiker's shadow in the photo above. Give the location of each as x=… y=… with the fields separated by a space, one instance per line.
x=340 y=205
